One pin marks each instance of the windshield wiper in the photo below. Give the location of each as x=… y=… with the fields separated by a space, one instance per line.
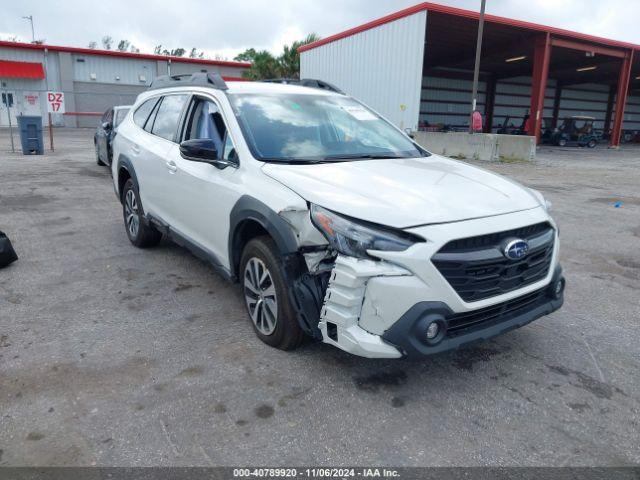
x=364 y=156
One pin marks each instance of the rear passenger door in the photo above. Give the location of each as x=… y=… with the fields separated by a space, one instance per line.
x=153 y=164
x=162 y=168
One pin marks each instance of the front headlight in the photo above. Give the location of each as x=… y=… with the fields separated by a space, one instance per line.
x=354 y=238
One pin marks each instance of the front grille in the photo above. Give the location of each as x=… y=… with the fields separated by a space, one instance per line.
x=460 y=323
x=477 y=269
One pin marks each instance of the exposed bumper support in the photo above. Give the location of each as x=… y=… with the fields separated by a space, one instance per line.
x=343 y=305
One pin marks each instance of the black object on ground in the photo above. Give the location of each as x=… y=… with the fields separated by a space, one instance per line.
x=7 y=253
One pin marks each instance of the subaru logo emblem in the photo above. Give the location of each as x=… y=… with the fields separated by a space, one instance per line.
x=516 y=249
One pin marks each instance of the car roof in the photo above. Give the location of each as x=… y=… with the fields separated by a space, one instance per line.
x=246 y=87
x=274 y=88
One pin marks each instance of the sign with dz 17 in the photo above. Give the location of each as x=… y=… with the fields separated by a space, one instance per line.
x=55 y=102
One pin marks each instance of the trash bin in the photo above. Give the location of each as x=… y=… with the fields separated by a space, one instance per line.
x=31 y=134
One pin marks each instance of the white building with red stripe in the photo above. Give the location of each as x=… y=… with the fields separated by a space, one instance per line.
x=92 y=80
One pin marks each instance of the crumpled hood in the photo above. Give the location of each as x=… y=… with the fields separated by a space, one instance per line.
x=403 y=192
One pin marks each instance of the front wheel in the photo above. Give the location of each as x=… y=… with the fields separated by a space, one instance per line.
x=591 y=144
x=266 y=297
x=140 y=232
x=562 y=142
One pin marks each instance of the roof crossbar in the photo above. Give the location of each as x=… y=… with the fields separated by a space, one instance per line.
x=199 y=79
x=306 y=82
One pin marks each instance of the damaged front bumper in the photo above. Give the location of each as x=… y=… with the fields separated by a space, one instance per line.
x=381 y=307
x=362 y=296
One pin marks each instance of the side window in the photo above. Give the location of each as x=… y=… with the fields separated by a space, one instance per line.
x=152 y=117
x=207 y=122
x=166 y=122
x=142 y=113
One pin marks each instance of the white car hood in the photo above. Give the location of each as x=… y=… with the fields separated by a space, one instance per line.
x=403 y=193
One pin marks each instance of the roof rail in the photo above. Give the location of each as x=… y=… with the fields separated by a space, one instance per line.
x=200 y=79
x=307 y=82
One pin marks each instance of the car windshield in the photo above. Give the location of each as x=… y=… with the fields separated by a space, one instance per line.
x=317 y=128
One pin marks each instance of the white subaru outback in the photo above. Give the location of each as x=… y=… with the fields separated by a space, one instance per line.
x=334 y=222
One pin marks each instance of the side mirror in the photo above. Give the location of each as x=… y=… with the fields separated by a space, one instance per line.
x=106 y=125
x=203 y=150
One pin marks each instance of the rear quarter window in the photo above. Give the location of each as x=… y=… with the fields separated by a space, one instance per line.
x=142 y=113
x=168 y=116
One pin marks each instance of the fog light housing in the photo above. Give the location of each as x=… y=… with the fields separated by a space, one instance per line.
x=558 y=289
x=433 y=330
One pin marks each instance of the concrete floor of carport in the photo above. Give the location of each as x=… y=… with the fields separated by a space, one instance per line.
x=111 y=355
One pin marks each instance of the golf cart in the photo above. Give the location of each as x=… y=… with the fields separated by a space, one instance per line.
x=576 y=130
x=508 y=128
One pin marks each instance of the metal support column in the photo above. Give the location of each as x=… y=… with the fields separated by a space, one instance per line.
x=489 y=104
x=557 y=98
x=476 y=70
x=621 y=98
x=609 y=114
x=541 y=57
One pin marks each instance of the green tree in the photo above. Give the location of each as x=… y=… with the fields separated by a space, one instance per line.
x=290 y=58
x=123 y=45
x=178 y=52
x=93 y=44
x=107 y=41
x=246 y=56
x=263 y=66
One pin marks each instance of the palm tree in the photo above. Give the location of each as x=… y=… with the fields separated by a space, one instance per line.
x=264 y=65
x=290 y=58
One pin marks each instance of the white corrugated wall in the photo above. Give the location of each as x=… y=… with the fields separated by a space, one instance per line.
x=381 y=67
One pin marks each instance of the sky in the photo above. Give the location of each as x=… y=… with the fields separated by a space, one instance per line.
x=223 y=28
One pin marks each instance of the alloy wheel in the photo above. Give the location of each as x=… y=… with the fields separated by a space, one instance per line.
x=260 y=295
x=132 y=217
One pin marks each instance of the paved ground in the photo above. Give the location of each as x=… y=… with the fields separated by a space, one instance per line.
x=114 y=356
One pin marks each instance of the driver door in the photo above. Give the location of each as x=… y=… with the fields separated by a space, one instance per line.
x=205 y=194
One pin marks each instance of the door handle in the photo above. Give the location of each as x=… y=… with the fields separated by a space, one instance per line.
x=171 y=165
x=135 y=149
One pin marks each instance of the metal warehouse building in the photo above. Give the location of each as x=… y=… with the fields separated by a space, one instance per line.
x=92 y=80
x=416 y=67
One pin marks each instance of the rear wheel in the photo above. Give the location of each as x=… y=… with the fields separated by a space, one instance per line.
x=266 y=296
x=591 y=144
x=562 y=142
x=140 y=233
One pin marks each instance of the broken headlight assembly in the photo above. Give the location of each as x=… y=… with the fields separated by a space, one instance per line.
x=354 y=237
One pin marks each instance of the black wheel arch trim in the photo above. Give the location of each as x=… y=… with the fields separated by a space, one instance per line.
x=248 y=208
x=306 y=292
x=125 y=163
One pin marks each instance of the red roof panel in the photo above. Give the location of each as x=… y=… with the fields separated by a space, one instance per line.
x=11 y=69
x=459 y=12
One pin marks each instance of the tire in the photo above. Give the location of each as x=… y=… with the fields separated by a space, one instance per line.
x=591 y=144
x=98 y=161
x=562 y=142
x=140 y=233
x=264 y=298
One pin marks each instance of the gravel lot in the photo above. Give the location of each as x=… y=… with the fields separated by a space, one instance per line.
x=111 y=355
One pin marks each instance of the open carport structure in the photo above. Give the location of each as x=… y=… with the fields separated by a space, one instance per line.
x=416 y=67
